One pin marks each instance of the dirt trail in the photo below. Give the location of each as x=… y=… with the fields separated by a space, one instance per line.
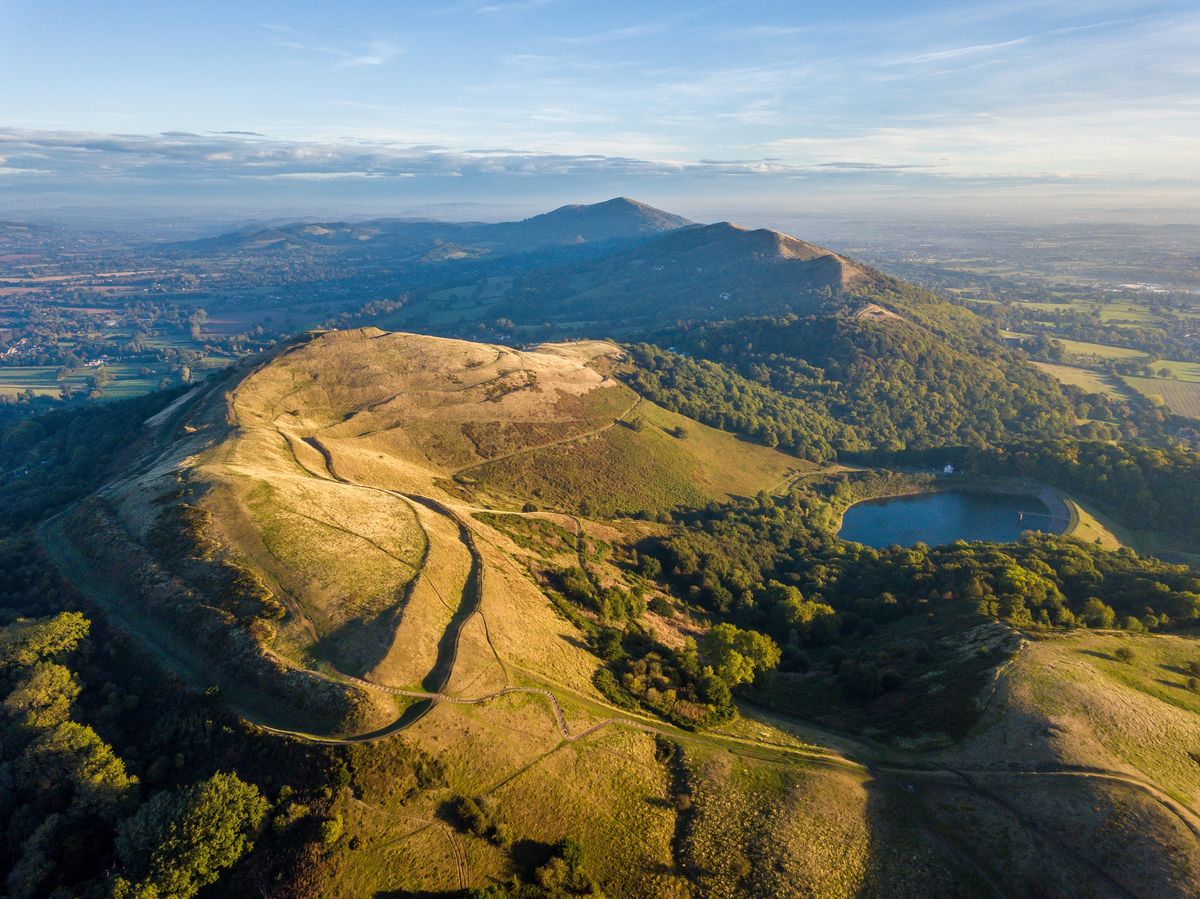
x=472 y=597
x=848 y=754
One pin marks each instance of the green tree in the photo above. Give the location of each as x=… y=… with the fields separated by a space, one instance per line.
x=564 y=873
x=738 y=656
x=1096 y=614
x=180 y=841
x=71 y=759
x=43 y=699
x=28 y=640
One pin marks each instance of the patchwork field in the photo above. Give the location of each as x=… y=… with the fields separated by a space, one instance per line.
x=1182 y=371
x=1181 y=397
x=128 y=379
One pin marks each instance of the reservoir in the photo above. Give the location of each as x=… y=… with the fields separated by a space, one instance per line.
x=938 y=518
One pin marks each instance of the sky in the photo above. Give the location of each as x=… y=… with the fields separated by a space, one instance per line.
x=498 y=107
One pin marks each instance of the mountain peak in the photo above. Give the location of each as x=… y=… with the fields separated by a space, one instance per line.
x=610 y=219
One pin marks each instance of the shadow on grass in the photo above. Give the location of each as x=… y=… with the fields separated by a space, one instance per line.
x=1175 y=684
x=529 y=855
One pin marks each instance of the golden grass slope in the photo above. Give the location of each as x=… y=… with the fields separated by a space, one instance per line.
x=344 y=472
x=1099 y=754
x=355 y=474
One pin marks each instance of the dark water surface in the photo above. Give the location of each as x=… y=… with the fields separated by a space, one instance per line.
x=937 y=518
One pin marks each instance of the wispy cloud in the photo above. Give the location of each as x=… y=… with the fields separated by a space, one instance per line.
x=955 y=52
x=973 y=49
x=183 y=157
x=376 y=54
x=513 y=7
x=640 y=29
x=757 y=32
x=372 y=53
x=645 y=29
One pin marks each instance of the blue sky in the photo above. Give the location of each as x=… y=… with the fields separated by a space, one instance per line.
x=376 y=106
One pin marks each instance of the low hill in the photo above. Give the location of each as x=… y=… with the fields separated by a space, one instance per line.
x=337 y=480
x=436 y=559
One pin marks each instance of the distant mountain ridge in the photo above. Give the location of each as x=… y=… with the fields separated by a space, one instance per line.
x=699 y=272
x=612 y=220
x=585 y=262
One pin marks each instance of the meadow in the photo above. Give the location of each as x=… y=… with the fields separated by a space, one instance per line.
x=1099 y=350
x=1084 y=378
x=1181 y=397
x=1181 y=371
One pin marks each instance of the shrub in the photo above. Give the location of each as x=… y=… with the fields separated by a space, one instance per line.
x=481 y=818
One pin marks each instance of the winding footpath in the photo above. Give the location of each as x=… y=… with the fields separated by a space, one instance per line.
x=905 y=778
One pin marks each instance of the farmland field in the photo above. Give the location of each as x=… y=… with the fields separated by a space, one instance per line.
x=39 y=378
x=1103 y=350
x=1049 y=307
x=129 y=379
x=1181 y=397
x=1182 y=371
x=1127 y=312
x=1083 y=378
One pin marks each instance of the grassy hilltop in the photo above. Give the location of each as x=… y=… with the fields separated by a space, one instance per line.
x=437 y=559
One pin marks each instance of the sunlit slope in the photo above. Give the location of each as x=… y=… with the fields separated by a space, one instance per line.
x=368 y=496
x=335 y=484
x=339 y=439
x=404 y=411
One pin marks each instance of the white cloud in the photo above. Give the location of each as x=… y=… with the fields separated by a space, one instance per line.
x=513 y=7
x=942 y=150
x=373 y=53
x=377 y=53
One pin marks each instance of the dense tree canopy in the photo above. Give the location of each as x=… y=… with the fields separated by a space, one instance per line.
x=889 y=382
x=181 y=840
x=776 y=566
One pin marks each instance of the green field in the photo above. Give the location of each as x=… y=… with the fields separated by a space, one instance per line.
x=128 y=378
x=40 y=379
x=1083 y=378
x=1049 y=307
x=1180 y=371
x=1181 y=397
x=1101 y=350
x=1128 y=312
x=1109 y=312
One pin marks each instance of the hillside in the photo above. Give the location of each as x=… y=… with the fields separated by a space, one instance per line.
x=437 y=559
x=700 y=272
x=894 y=365
x=325 y=495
